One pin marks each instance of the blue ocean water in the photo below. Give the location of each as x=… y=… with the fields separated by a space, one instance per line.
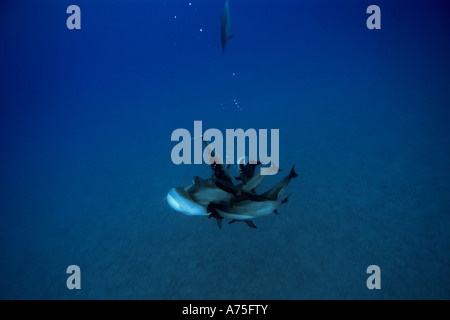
x=86 y=118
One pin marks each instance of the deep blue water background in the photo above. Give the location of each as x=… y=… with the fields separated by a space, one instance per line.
x=85 y=123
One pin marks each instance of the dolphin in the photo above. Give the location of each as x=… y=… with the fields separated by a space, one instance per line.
x=194 y=199
x=252 y=183
x=223 y=180
x=245 y=210
x=246 y=169
x=225 y=25
x=248 y=209
x=220 y=170
x=204 y=192
x=277 y=191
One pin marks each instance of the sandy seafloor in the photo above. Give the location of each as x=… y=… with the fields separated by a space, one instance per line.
x=85 y=165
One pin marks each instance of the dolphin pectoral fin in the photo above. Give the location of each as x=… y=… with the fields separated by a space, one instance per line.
x=275 y=211
x=212 y=211
x=214 y=214
x=250 y=224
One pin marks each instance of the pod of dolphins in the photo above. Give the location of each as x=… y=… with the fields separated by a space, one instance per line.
x=218 y=197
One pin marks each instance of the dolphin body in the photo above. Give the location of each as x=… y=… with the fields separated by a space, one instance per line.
x=245 y=210
x=225 y=25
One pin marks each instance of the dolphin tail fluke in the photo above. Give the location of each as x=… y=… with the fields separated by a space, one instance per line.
x=293 y=174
